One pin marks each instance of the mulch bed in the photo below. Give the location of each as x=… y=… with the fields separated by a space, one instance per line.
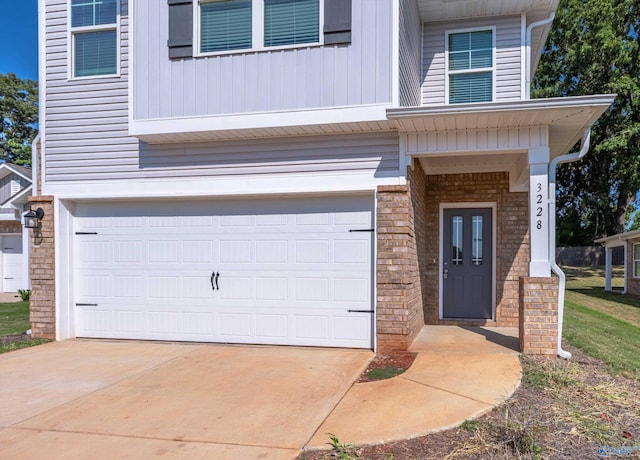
x=8 y=339
x=400 y=361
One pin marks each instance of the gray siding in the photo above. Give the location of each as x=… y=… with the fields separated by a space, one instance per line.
x=86 y=121
x=507 y=57
x=376 y=153
x=410 y=54
x=300 y=78
x=5 y=186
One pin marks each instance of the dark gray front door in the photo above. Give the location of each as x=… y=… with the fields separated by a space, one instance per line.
x=467 y=264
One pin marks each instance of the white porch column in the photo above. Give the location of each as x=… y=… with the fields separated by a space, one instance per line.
x=539 y=265
x=608 y=253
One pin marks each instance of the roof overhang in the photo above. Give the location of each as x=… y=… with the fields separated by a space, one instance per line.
x=7 y=168
x=566 y=118
x=618 y=239
x=18 y=200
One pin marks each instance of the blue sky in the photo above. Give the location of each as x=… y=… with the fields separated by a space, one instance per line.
x=19 y=38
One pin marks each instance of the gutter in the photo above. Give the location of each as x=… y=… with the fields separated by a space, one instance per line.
x=586 y=142
x=527 y=45
x=34 y=165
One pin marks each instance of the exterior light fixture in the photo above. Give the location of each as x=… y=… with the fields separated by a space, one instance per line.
x=32 y=218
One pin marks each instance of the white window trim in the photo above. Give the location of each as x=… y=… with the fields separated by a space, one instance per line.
x=634 y=261
x=71 y=44
x=257 y=35
x=491 y=69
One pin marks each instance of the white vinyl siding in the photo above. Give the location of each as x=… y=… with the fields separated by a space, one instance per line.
x=273 y=79
x=470 y=66
x=636 y=260
x=94 y=38
x=507 y=74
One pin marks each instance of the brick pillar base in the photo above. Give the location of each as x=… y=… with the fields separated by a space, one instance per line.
x=539 y=316
x=42 y=271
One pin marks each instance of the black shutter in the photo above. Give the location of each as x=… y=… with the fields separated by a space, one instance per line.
x=180 y=29
x=337 y=22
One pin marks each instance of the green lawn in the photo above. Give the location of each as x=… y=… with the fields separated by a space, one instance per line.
x=604 y=325
x=14 y=320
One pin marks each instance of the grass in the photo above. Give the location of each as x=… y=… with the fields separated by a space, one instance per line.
x=384 y=373
x=605 y=325
x=14 y=320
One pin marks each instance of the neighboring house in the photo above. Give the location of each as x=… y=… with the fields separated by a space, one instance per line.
x=15 y=189
x=630 y=241
x=297 y=172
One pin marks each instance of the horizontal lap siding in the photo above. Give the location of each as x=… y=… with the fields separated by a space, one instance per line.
x=86 y=131
x=376 y=153
x=507 y=57
x=410 y=51
x=307 y=77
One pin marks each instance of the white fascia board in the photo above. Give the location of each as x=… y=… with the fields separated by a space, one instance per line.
x=618 y=239
x=262 y=120
x=221 y=186
x=7 y=167
x=603 y=100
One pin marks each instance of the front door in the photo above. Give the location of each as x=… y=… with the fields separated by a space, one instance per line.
x=467 y=264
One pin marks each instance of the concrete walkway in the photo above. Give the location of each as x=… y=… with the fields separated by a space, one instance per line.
x=9 y=297
x=458 y=374
x=75 y=399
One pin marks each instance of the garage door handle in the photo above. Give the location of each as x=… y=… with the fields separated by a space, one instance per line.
x=214 y=280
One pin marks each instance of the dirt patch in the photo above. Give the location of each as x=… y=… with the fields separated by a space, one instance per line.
x=384 y=366
x=563 y=410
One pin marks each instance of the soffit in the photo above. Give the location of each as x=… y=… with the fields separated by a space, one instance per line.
x=567 y=118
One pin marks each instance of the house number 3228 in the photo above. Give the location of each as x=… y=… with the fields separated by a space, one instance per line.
x=539 y=208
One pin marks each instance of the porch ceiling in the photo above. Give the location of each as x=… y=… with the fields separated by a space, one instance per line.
x=566 y=118
x=445 y=10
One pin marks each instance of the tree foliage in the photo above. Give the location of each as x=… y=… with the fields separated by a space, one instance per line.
x=593 y=49
x=18 y=118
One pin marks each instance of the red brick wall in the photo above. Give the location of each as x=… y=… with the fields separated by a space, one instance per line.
x=512 y=237
x=42 y=272
x=539 y=316
x=400 y=265
x=633 y=284
x=8 y=226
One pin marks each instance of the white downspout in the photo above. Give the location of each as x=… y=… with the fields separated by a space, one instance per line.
x=586 y=141
x=34 y=165
x=527 y=83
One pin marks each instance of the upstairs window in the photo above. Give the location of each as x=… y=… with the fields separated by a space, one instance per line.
x=94 y=37
x=470 y=66
x=228 y=25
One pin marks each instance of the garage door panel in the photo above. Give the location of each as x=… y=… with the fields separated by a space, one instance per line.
x=288 y=271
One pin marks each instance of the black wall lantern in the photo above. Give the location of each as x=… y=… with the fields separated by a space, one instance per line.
x=32 y=218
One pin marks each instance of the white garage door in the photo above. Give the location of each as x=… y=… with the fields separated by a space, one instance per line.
x=279 y=271
x=12 y=263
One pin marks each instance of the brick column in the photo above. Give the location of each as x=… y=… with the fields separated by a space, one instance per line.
x=539 y=316
x=400 y=264
x=42 y=271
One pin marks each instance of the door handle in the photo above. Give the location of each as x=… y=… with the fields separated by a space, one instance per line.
x=214 y=280
x=445 y=273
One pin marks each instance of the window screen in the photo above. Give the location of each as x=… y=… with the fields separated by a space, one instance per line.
x=225 y=25
x=471 y=67
x=289 y=22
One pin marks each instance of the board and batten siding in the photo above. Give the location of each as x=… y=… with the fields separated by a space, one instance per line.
x=507 y=57
x=410 y=54
x=86 y=131
x=299 y=78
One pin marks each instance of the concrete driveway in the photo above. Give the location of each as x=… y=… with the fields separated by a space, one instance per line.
x=88 y=399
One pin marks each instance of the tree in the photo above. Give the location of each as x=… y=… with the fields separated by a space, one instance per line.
x=593 y=49
x=18 y=118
